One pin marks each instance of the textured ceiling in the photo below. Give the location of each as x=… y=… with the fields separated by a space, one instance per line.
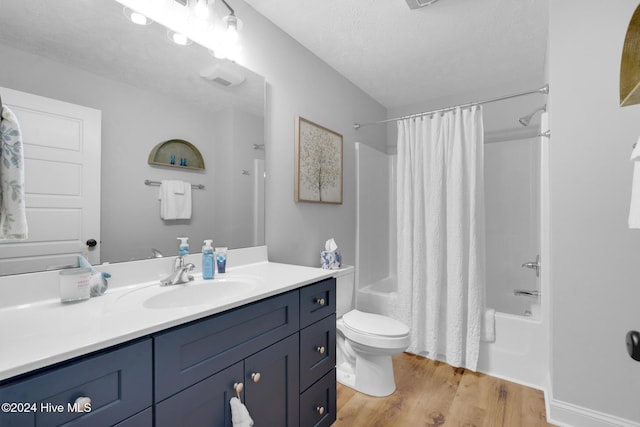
x=401 y=56
x=94 y=35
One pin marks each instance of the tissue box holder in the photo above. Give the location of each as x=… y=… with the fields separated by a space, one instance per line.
x=330 y=260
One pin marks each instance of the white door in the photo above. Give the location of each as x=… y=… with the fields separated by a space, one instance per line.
x=62 y=183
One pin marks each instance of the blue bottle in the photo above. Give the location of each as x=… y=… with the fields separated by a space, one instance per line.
x=207 y=260
x=183 y=249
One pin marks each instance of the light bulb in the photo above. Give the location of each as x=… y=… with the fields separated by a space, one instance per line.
x=138 y=18
x=202 y=9
x=178 y=38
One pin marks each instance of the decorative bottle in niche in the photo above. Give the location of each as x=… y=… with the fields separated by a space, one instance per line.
x=208 y=267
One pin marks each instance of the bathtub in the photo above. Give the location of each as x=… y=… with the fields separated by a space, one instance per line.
x=518 y=353
x=379 y=297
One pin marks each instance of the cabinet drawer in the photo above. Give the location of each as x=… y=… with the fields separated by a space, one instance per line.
x=317 y=301
x=318 y=403
x=189 y=353
x=118 y=382
x=317 y=350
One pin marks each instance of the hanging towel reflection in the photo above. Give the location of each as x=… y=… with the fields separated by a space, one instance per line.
x=175 y=199
x=13 y=218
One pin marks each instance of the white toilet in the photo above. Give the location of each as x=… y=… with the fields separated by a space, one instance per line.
x=365 y=342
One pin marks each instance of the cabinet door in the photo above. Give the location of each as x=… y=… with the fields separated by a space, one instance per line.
x=203 y=404
x=271 y=384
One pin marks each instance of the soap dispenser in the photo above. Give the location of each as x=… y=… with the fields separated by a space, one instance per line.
x=207 y=260
x=184 y=246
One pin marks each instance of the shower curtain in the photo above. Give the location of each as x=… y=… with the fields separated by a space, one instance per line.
x=440 y=229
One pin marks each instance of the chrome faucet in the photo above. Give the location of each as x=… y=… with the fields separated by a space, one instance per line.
x=180 y=273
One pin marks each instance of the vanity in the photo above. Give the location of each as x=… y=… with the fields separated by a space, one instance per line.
x=144 y=355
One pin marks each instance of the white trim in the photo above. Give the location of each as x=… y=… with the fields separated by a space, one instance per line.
x=566 y=414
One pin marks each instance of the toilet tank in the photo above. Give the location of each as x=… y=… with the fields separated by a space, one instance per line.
x=345 y=279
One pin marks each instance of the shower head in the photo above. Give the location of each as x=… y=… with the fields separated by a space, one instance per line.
x=525 y=120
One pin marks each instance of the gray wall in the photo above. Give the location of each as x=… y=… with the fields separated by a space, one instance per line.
x=300 y=84
x=595 y=268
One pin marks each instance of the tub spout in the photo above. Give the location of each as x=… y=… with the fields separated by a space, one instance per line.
x=526 y=292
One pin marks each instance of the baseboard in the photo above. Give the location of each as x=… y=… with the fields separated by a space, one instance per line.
x=565 y=414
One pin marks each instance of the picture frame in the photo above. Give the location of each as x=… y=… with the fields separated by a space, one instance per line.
x=318 y=174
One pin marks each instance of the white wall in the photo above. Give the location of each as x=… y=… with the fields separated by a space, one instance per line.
x=595 y=268
x=298 y=83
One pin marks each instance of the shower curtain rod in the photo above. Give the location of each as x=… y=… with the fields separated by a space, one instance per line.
x=544 y=89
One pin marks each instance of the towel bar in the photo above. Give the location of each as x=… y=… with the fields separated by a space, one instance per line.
x=157 y=183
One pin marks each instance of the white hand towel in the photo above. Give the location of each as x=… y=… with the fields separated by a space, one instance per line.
x=634 y=210
x=489 y=325
x=13 y=217
x=239 y=414
x=175 y=199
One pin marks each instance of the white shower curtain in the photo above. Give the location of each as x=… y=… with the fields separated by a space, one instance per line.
x=440 y=228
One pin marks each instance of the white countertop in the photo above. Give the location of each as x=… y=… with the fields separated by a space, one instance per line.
x=38 y=334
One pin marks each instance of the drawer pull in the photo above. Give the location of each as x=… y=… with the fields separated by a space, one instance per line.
x=320 y=349
x=255 y=377
x=320 y=410
x=238 y=387
x=320 y=301
x=82 y=404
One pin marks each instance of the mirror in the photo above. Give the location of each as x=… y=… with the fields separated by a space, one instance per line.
x=148 y=90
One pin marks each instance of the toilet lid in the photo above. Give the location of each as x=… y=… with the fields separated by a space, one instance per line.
x=374 y=324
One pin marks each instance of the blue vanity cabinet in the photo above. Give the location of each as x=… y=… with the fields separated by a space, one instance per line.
x=257 y=345
x=281 y=349
x=116 y=382
x=318 y=354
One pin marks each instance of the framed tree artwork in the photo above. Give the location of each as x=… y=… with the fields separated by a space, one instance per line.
x=318 y=164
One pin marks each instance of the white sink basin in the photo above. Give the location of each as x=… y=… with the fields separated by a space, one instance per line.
x=203 y=292
x=199 y=292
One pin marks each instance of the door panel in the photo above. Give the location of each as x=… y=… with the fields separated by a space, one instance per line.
x=62 y=182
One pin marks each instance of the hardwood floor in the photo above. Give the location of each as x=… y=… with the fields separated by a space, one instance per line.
x=434 y=394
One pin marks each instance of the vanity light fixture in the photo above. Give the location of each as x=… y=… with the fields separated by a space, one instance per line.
x=201 y=9
x=178 y=38
x=136 y=17
x=229 y=47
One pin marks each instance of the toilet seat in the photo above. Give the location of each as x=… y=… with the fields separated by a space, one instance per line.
x=374 y=330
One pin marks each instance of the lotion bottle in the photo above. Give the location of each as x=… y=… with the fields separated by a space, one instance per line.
x=207 y=260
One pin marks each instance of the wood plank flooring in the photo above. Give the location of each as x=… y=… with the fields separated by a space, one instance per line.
x=434 y=394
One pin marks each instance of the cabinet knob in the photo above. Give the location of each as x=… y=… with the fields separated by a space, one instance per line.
x=320 y=409
x=320 y=349
x=238 y=387
x=82 y=404
x=320 y=301
x=255 y=377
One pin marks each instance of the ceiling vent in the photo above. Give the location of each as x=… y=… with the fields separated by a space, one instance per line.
x=417 y=4
x=222 y=75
